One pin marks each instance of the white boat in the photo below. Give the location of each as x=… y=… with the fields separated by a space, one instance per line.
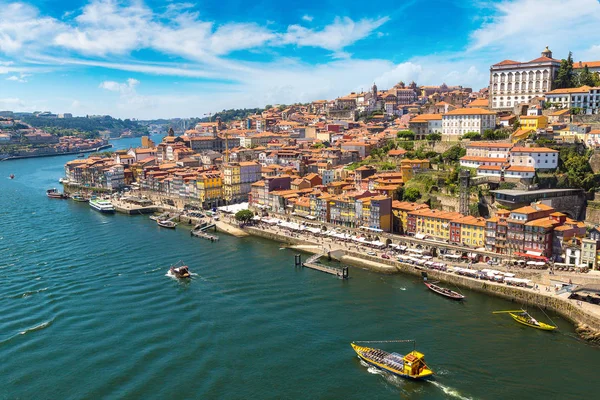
x=104 y=206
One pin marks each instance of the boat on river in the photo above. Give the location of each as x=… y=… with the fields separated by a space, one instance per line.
x=451 y=294
x=411 y=365
x=523 y=317
x=55 y=194
x=167 y=224
x=80 y=198
x=101 y=205
x=180 y=271
x=12 y=176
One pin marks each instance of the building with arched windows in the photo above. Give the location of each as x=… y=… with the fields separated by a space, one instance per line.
x=515 y=82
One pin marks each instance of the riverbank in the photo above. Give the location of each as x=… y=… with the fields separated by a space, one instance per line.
x=585 y=317
x=67 y=153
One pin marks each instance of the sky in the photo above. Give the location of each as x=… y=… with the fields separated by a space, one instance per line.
x=150 y=59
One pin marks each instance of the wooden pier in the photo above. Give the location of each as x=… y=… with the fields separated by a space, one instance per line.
x=312 y=263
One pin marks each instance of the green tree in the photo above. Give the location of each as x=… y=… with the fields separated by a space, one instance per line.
x=411 y=194
x=472 y=136
x=516 y=125
x=406 y=135
x=244 y=215
x=268 y=107
x=453 y=154
x=565 y=77
x=586 y=77
x=434 y=137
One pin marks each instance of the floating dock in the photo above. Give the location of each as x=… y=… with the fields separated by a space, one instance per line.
x=312 y=263
x=201 y=234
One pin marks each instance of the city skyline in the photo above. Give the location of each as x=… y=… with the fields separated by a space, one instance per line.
x=147 y=59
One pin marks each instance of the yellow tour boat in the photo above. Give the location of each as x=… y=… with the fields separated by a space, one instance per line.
x=523 y=317
x=410 y=366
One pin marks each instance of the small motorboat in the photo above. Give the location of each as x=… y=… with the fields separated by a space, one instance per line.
x=55 y=194
x=12 y=176
x=80 y=155
x=79 y=198
x=180 y=272
x=167 y=224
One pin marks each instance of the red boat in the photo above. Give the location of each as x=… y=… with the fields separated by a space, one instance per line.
x=443 y=291
x=55 y=194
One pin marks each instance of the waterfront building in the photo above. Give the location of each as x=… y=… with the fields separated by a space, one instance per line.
x=589 y=252
x=530 y=230
x=238 y=178
x=514 y=82
x=463 y=120
x=468 y=230
x=210 y=189
x=375 y=213
x=496 y=229
x=400 y=210
x=431 y=223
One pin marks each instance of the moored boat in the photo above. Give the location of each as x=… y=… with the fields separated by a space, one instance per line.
x=12 y=176
x=55 y=194
x=166 y=224
x=523 y=317
x=104 y=206
x=451 y=294
x=79 y=198
x=411 y=365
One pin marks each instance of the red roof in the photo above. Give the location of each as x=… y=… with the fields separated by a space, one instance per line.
x=543 y=59
x=507 y=62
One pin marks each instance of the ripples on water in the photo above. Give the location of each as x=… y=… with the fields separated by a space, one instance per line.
x=87 y=312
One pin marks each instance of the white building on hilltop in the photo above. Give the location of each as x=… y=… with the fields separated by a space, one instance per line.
x=514 y=82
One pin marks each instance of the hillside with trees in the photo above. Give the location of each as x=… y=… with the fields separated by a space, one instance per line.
x=86 y=127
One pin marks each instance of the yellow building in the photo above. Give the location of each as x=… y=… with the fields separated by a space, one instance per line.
x=434 y=223
x=533 y=122
x=231 y=181
x=472 y=230
x=400 y=210
x=521 y=134
x=210 y=188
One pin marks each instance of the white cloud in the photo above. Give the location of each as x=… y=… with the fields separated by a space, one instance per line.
x=341 y=33
x=562 y=23
x=21 y=25
x=307 y=18
x=18 y=78
x=124 y=88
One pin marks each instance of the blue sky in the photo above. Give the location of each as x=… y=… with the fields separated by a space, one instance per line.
x=148 y=59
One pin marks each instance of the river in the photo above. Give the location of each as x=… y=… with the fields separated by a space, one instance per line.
x=87 y=312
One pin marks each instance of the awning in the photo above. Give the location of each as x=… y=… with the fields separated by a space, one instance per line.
x=419 y=236
x=533 y=253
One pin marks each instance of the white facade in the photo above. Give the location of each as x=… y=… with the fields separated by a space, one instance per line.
x=115 y=177
x=536 y=157
x=458 y=122
x=585 y=97
x=513 y=82
x=490 y=150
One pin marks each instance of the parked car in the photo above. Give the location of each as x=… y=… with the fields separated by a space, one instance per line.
x=385 y=256
x=371 y=253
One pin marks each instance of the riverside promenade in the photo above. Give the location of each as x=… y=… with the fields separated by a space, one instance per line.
x=585 y=316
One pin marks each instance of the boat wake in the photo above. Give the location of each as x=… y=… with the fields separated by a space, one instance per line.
x=39 y=327
x=450 y=392
x=403 y=288
x=32 y=292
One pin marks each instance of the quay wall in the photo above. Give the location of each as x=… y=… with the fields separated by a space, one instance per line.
x=587 y=325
